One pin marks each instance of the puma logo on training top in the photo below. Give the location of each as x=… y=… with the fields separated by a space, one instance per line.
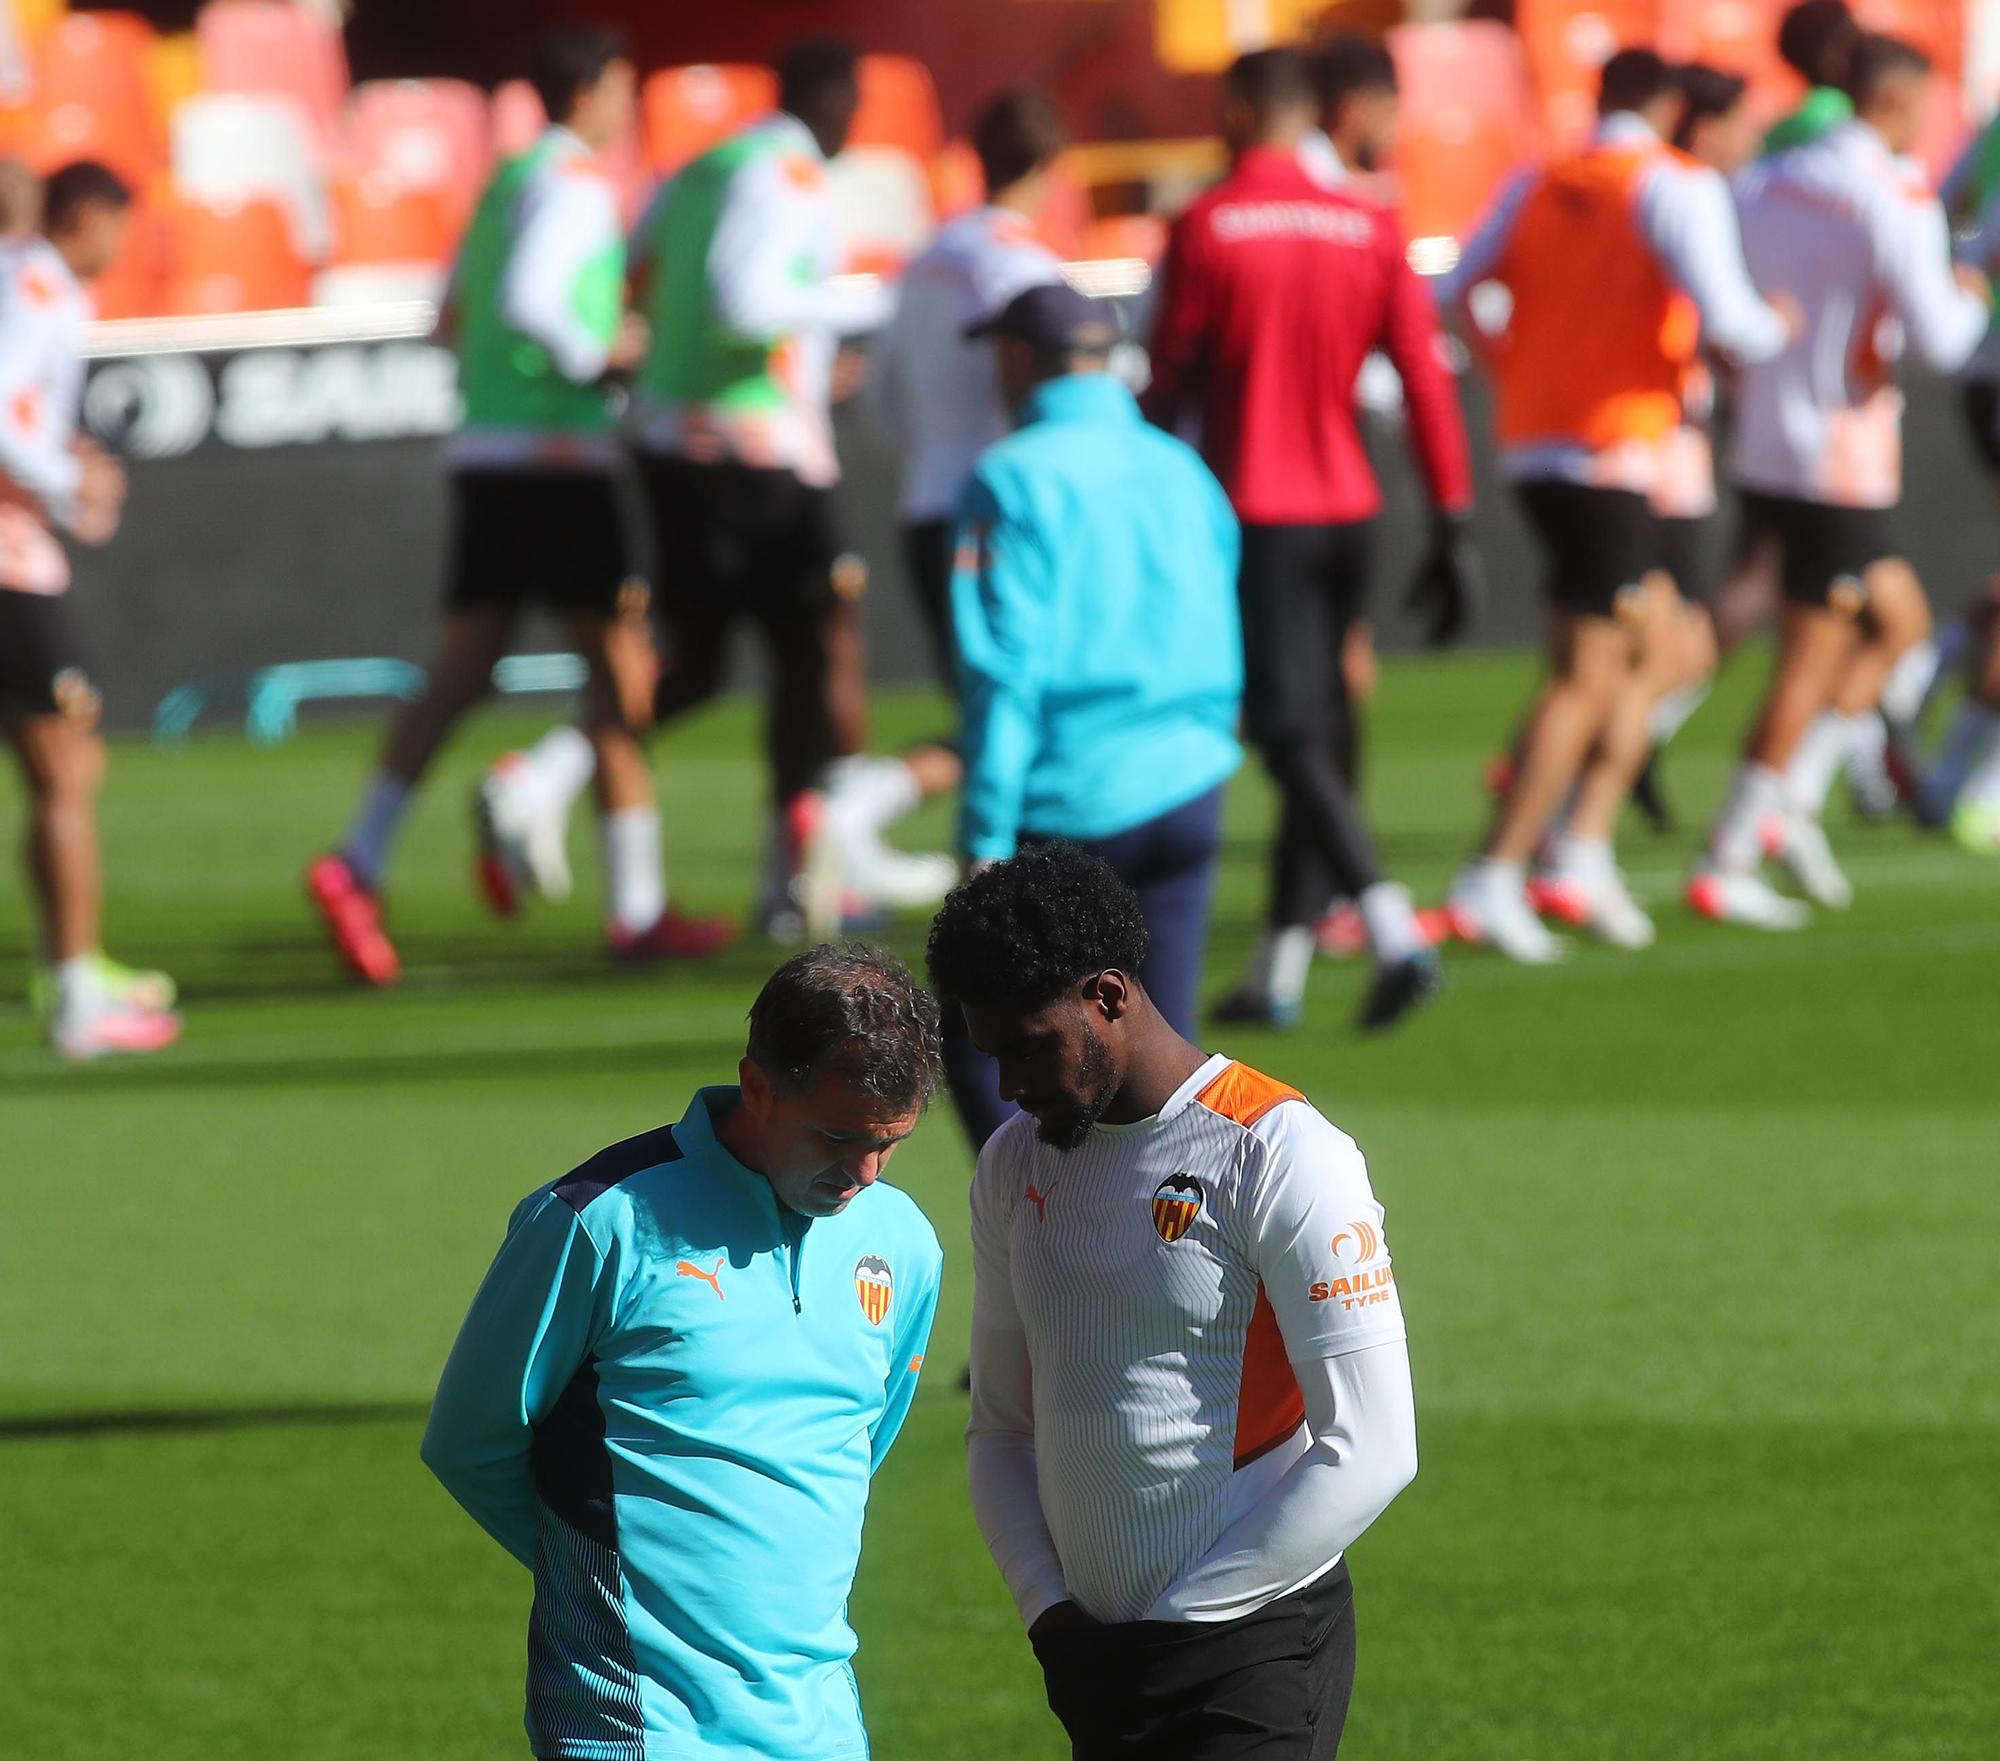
x=712 y=1279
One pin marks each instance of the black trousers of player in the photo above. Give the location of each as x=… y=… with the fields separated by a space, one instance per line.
x=1301 y=588
x=1273 y=1686
x=736 y=543
x=927 y=547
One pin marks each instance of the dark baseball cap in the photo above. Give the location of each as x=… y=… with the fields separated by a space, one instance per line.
x=1054 y=317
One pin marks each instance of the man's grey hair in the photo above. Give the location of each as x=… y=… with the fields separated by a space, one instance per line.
x=853 y=1008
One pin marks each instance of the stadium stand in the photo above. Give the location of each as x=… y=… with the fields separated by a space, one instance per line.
x=268 y=49
x=233 y=256
x=1468 y=119
x=686 y=110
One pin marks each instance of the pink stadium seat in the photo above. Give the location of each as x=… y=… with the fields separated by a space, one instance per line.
x=517 y=117
x=686 y=110
x=238 y=258
x=269 y=48
x=1567 y=41
x=421 y=135
x=93 y=95
x=1468 y=119
x=899 y=107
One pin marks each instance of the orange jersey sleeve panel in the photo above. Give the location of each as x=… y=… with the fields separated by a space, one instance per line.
x=1245 y=1095
x=1270 y=1407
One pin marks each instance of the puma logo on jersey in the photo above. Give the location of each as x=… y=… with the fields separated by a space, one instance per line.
x=1040 y=1203
x=712 y=1279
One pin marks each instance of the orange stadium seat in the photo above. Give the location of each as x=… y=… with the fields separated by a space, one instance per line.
x=899 y=107
x=377 y=219
x=235 y=258
x=686 y=110
x=271 y=49
x=135 y=284
x=517 y=118
x=428 y=135
x=1125 y=235
x=1739 y=36
x=957 y=183
x=1567 y=41
x=1468 y=119
x=93 y=95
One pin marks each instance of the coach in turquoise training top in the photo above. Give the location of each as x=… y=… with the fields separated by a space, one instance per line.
x=684 y=1366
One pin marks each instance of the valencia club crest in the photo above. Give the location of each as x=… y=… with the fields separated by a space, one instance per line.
x=874 y=1284
x=1176 y=1204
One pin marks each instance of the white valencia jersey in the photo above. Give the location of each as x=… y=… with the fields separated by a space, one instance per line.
x=1853 y=235
x=43 y=310
x=1163 y=1277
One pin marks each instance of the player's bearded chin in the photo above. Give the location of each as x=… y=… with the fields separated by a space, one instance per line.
x=1097 y=1080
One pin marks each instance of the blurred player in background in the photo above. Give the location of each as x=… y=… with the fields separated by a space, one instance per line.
x=1354 y=79
x=1845 y=224
x=938 y=388
x=1618 y=258
x=1816 y=39
x=534 y=315
x=735 y=268
x=678 y=1379
x=53 y=478
x=1099 y=647
x=1190 y=1388
x=1717 y=132
x=1273 y=292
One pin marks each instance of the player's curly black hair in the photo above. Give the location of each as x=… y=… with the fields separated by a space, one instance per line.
x=1026 y=929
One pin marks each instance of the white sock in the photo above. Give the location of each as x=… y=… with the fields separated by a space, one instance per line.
x=1910 y=680
x=871 y=792
x=1821 y=753
x=1393 y=932
x=1868 y=753
x=635 y=884
x=76 y=983
x=557 y=769
x=1737 y=843
x=1974 y=733
x=370 y=833
x=1670 y=714
x=1278 y=969
x=1490 y=871
x=1586 y=859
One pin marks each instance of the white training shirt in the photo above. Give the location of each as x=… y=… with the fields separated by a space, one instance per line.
x=1322 y=159
x=1856 y=239
x=1190 y=1389
x=1685 y=214
x=939 y=392
x=43 y=311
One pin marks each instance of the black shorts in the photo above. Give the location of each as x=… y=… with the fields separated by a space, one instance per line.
x=1980 y=400
x=742 y=540
x=1274 y=1685
x=1825 y=551
x=42 y=666
x=549 y=538
x=1684 y=555
x=1601 y=543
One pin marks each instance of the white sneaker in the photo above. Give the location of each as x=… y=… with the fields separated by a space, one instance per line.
x=885 y=876
x=1807 y=857
x=1487 y=908
x=103 y=1026
x=523 y=843
x=1613 y=915
x=1730 y=896
x=1591 y=896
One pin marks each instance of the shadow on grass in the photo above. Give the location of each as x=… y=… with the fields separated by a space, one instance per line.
x=202 y=1419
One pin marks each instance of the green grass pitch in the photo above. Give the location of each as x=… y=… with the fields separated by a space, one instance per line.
x=1697 y=1248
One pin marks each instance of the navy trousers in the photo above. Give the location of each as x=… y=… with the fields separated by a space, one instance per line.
x=1170 y=863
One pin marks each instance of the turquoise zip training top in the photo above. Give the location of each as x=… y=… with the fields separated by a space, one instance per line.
x=1100 y=650
x=667 y=1401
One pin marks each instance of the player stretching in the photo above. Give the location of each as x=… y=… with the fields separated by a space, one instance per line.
x=687 y=1362
x=534 y=315
x=1818 y=458
x=1190 y=1391
x=1273 y=292
x=48 y=704
x=1616 y=256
